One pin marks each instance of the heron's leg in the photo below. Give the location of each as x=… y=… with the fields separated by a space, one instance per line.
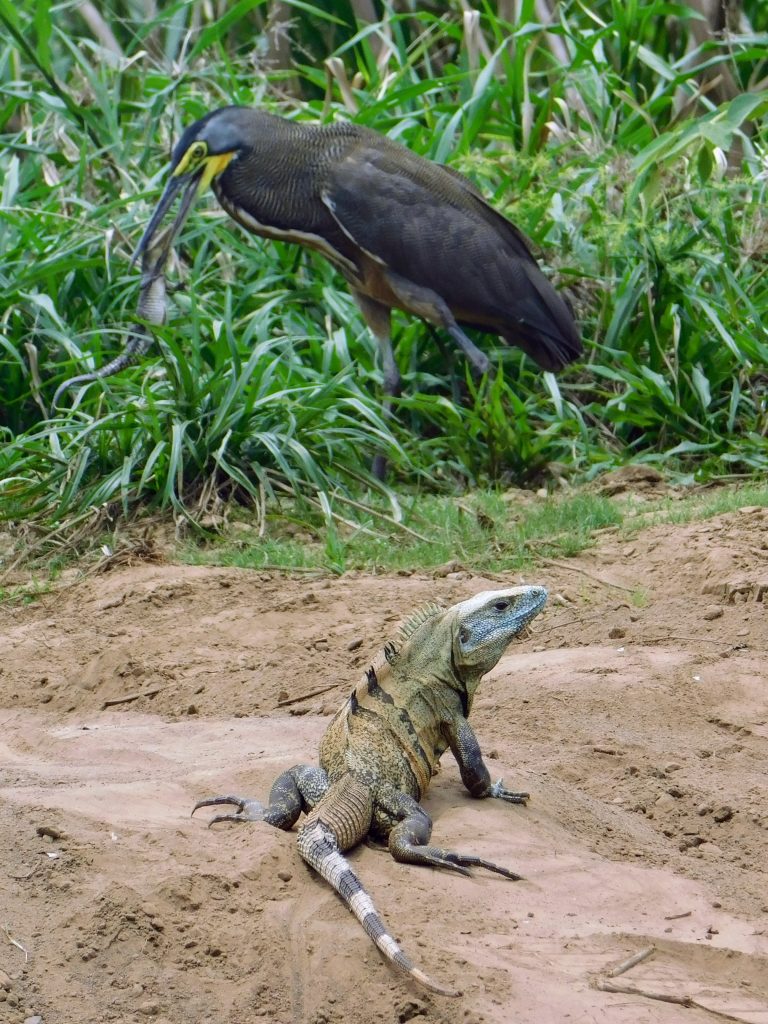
x=378 y=318
x=431 y=307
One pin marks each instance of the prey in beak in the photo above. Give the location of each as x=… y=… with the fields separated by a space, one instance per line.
x=193 y=168
x=197 y=160
x=189 y=186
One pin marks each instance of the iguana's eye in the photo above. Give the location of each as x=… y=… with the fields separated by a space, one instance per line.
x=501 y=606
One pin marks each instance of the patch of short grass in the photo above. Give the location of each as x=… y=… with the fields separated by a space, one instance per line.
x=487 y=531
x=697 y=506
x=483 y=532
x=26 y=593
x=491 y=532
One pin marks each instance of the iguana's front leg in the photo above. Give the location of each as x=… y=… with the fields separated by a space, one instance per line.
x=409 y=838
x=296 y=790
x=474 y=773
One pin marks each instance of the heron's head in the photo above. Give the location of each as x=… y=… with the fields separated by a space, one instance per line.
x=202 y=153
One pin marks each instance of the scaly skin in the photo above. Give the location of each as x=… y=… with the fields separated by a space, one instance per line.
x=379 y=753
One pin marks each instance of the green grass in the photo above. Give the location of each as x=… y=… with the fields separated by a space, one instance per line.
x=697 y=507
x=487 y=531
x=493 y=532
x=490 y=532
x=644 y=196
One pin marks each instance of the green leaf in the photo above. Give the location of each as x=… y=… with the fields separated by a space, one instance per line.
x=701 y=386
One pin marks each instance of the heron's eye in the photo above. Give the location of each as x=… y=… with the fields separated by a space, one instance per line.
x=197 y=151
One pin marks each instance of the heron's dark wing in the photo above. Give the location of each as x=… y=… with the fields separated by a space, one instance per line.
x=432 y=227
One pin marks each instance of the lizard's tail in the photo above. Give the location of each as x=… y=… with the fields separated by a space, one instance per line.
x=151 y=309
x=319 y=848
x=137 y=344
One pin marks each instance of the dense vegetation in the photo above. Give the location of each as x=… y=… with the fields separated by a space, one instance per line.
x=626 y=142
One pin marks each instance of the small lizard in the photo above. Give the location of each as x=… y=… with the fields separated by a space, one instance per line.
x=379 y=753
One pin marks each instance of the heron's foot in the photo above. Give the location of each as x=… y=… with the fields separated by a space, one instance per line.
x=247 y=809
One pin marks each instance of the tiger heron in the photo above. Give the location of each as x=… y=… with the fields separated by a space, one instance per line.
x=405 y=233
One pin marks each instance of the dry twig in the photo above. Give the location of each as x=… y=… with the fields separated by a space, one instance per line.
x=130 y=697
x=15 y=942
x=630 y=962
x=306 y=696
x=585 y=572
x=604 y=985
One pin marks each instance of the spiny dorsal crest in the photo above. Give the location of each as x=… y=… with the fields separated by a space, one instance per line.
x=417 y=619
x=391 y=649
x=390 y=652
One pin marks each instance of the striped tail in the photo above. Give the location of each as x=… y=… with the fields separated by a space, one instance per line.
x=137 y=344
x=151 y=308
x=319 y=848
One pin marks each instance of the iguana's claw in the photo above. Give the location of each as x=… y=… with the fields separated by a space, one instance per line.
x=247 y=810
x=462 y=862
x=498 y=790
x=451 y=861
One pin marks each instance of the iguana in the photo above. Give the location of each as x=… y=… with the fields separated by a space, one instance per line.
x=383 y=746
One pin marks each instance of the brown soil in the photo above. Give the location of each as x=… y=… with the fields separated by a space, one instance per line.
x=639 y=727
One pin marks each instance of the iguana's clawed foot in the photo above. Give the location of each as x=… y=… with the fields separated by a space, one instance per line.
x=463 y=863
x=247 y=810
x=451 y=861
x=498 y=790
x=435 y=857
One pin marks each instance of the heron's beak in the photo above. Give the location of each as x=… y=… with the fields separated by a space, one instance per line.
x=191 y=185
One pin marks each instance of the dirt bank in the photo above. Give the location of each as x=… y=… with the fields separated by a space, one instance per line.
x=636 y=714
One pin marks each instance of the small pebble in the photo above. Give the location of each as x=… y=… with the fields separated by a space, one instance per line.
x=409 y=1009
x=284 y=876
x=665 y=802
x=722 y=814
x=690 y=843
x=712 y=611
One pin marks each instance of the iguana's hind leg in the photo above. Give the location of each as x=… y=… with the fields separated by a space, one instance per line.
x=338 y=822
x=296 y=790
x=409 y=840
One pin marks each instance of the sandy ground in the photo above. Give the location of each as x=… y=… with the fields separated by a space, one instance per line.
x=639 y=726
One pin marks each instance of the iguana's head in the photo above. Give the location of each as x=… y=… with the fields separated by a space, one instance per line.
x=484 y=625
